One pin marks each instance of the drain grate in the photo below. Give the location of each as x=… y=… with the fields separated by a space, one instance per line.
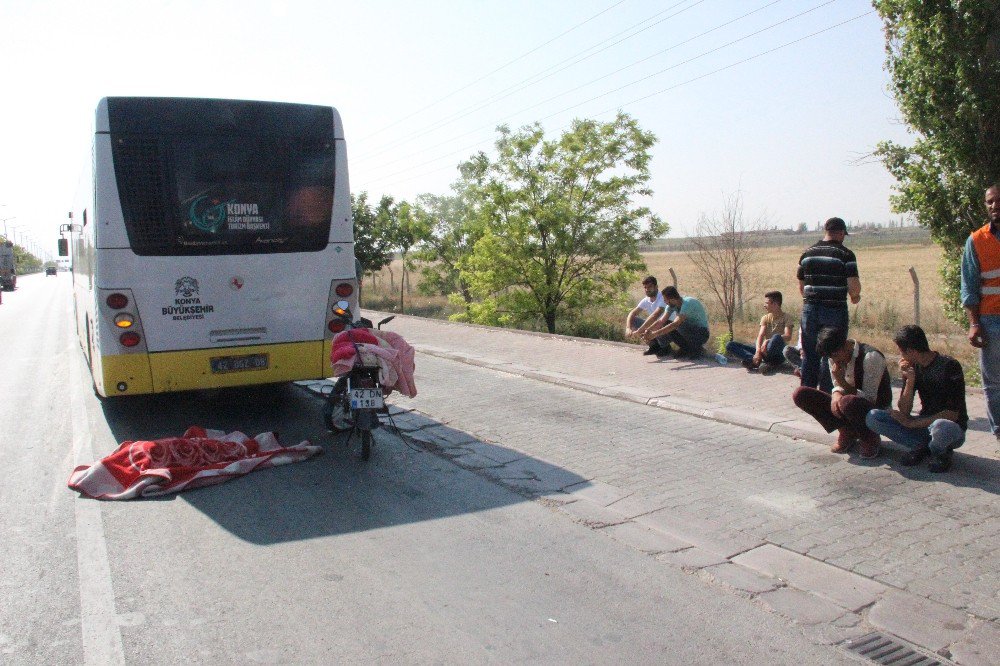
x=885 y=650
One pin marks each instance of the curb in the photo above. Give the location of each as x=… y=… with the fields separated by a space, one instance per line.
x=705 y=410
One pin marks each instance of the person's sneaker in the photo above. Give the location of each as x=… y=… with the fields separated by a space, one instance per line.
x=768 y=368
x=845 y=442
x=869 y=446
x=940 y=463
x=664 y=353
x=652 y=350
x=914 y=456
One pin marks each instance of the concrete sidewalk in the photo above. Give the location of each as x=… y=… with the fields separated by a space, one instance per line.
x=914 y=552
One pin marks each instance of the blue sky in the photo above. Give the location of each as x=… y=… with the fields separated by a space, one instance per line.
x=422 y=85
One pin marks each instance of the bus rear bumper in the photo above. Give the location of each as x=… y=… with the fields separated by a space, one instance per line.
x=188 y=370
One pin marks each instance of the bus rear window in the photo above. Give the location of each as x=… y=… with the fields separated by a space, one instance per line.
x=211 y=195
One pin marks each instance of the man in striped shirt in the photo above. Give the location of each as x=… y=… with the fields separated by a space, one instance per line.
x=828 y=276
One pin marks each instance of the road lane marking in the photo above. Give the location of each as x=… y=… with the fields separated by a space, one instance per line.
x=102 y=637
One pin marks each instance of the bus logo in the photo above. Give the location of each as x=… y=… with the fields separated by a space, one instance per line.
x=186 y=287
x=207 y=215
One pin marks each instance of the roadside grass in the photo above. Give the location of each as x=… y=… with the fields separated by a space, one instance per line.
x=886 y=298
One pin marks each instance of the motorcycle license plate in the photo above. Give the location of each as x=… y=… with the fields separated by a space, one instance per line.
x=367 y=398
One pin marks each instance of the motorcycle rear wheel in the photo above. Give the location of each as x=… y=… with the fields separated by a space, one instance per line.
x=366 y=444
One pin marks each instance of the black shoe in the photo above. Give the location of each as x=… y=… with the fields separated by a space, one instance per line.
x=748 y=364
x=665 y=353
x=940 y=463
x=914 y=456
x=652 y=350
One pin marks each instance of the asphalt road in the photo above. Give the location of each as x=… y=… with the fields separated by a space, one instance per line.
x=404 y=559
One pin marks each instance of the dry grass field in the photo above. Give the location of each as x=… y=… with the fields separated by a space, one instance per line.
x=886 y=298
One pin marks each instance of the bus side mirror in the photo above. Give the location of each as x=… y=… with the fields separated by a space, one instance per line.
x=63 y=247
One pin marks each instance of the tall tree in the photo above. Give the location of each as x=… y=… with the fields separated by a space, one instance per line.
x=453 y=225
x=561 y=225
x=724 y=246
x=406 y=230
x=944 y=58
x=373 y=245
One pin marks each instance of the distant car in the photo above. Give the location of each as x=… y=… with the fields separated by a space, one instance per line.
x=50 y=270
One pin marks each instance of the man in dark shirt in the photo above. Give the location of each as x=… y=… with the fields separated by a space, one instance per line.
x=939 y=381
x=828 y=275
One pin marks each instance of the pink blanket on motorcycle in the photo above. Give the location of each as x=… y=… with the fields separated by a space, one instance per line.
x=198 y=458
x=394 y=355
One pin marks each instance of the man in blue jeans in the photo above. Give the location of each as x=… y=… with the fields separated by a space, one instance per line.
x=688 y=329
x=775 y=332
x=828 y=275
x=940 y=426
x=981 y=300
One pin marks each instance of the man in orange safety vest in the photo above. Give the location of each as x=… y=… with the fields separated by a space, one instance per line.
x=981 y=300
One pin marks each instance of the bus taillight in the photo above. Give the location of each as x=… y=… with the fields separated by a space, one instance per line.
x=335 y=326
x=344 y=290
x=117 y=301
x=129 y=339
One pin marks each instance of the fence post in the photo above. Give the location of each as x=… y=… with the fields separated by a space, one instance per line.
x=673 y=276
x=916 y=296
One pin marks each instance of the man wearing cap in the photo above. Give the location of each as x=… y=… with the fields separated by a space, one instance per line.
x=828 y=276
x=981 y=300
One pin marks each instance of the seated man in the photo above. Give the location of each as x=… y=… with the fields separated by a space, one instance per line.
x=688 y=329
x=939 y=381
x=860 y=383
x=644 y=315
x=775 y=331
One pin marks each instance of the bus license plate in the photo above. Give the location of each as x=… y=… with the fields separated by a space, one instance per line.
x=367 y=398
x=222 y=364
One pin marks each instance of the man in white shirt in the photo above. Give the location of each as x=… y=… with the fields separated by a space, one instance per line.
x=860 y=384
x=644 y=315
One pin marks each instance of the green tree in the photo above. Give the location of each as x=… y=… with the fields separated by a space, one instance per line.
x=405 y=230
x=944 y=59
x=561 y=225
x=452 y=225
x=372 y=241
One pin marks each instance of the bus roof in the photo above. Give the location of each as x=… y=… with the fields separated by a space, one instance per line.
x=187 y=115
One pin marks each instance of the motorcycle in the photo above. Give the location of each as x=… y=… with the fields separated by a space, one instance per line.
x=357 y=398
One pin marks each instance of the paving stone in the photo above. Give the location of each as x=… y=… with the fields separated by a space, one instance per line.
x=475 y=461
x=592 y=515
x=644 y=539
x=846 y=589
x=547 y=475
x=740 y=578
x=597 y=492
x=928 y=624
x=632 y=393
x=682 y=405
x=637 y=505
x=700 y=533
x=801 y=607
x=692 y=558
x=500 y=454
x=979 y=646
x=742 y=417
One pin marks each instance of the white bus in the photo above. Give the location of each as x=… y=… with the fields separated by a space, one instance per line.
x=209 y=242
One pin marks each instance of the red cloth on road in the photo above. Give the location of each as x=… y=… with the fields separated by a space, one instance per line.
x=198 y=458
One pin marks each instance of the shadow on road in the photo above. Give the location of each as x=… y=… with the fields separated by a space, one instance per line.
x=405 y=481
